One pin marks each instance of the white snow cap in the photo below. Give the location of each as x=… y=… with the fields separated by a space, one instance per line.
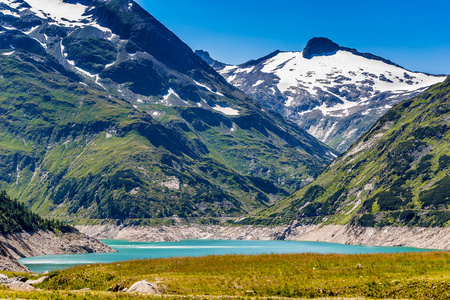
x=57 y=10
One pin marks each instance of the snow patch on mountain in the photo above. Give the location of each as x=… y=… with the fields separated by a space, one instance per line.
x=209 y=89
x=228 y=69
x=289 y=101
x=58 y=10
x=9 y=27
x=63 y=14
x=325 y=72
x=328 y=95
x=170 y=97
x=258 y=82
x=339 y=110
x=84 y=72
x=170 y=92
x=109 y=65
x=10 y=13
x=12 y=3
x=227 y=110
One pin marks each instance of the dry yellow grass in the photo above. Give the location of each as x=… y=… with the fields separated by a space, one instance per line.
x=424 y=275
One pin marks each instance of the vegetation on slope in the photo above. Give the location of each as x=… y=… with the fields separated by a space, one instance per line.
x=398 y=173
x=73 y=150
x=14 y=217
x=150 y=61
x=417 y=275
x=146 y=135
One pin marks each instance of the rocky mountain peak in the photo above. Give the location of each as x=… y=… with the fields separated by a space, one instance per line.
x=336 y=96
x=319 y=46
x=209 y=60
x=204 y=55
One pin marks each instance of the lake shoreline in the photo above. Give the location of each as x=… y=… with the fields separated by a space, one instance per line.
x=43 y=242
x=127 y=251
x=417 y=237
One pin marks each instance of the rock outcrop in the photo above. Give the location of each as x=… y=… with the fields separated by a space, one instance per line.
x=9 y=263
x=319 y=46
x=26 y=244
x=20 y=284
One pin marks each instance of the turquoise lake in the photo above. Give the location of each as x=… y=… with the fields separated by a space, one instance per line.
x=140 y=250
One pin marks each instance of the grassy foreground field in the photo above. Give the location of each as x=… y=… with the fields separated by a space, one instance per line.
x=423 y=275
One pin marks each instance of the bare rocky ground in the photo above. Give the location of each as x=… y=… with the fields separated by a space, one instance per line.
x=420 y=237
x=26 y=244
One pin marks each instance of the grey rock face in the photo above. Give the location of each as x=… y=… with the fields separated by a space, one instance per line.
x=319 y=46
x=143 y=287
x=26 y=244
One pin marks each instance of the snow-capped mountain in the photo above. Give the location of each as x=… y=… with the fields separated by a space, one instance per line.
x=121 y=119
x=333 y=92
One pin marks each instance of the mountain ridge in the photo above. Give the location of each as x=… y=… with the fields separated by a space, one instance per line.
x=335 y=97
x=394 y=175
x=126 y=122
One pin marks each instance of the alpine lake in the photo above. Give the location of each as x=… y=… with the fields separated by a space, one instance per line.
x=127 y=250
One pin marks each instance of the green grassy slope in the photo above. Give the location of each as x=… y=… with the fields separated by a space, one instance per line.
x=128 y=123
x=396 y=174
x=309 y=275
x=73 y=150
x=153 y=69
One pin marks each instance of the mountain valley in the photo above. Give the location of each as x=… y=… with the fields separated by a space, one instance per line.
x=106 y=114
x=108 y=117
x=116 y=137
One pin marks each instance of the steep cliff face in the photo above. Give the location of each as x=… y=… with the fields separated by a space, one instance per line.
x=395 y=174
x=335 y=93
x=10 y=263
x=107 y=114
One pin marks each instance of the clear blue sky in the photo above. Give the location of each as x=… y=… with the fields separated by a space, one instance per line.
x=414 y=34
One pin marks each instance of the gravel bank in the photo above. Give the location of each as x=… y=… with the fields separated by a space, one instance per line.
x=420 y=237
x=26 y=244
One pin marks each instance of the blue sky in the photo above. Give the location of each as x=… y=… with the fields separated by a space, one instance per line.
x=413 y=34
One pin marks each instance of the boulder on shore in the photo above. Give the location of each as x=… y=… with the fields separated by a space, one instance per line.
x=20 y=286
x=143 y=287
x=37 y=281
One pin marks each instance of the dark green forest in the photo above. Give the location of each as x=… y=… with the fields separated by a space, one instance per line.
x=15 y=217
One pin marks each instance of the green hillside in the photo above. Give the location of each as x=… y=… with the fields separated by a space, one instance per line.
x=14 y=217
x=116 y=118
x=73 y=150
x=70 y=149
x=398 y=173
